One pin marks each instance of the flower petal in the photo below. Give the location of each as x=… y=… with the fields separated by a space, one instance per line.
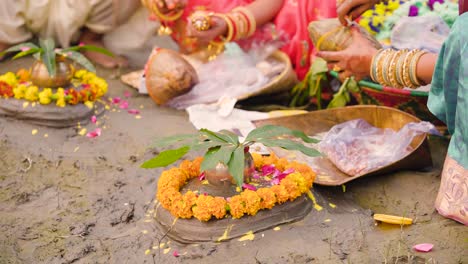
x=134 y=111
x=127 y=94
x=249 y=187
x=426 y=247
x=93 y=119
x=176 y=254
x=268 y=169
x=95 y=133
x=123 y=104
x=202 y=176
x=116 y=100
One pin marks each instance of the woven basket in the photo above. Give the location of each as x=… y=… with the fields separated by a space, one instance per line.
x=409 y=101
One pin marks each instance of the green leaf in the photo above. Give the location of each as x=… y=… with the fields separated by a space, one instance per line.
x=236 y=165
x=19 y=47
x=290 y=145
x=91 y=48
x=80 y=59
x=318 y=66
x=48 y=55
x=230 y=136
x=26 y=53
x=167 y=141
x=353 y=86
x=166 y=158
x=213 y=136
x=339 y=100
x=217 y=155
x=272 y=131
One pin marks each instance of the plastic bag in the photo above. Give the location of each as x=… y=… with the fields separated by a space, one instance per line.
x=424 y=32
x=234 y=74
x=330 y=35
x=168 y=75
x=356 y=147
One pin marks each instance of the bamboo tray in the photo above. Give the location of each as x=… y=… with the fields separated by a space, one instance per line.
x=316 y=122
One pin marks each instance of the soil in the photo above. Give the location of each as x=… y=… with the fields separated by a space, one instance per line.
x=66 y=198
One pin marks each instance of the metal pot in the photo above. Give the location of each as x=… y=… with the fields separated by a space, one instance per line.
x=40 y=76
x=220 y=176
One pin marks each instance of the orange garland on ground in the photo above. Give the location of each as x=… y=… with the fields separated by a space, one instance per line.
x=205 y=207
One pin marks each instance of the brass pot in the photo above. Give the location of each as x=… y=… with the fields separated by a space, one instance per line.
x=40 y=76
x=220 y=176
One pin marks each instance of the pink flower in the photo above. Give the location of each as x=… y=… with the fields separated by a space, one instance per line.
x=127 y=94
x=175 y=254
x=426 y=247
x=95 y=133
x=116 y=100
x=123 y=104
x=202 y=176
x=249 y=187
x=284 y=174
x=134 y=111
x=93 y=119
x=268 y=169
x=25 y=48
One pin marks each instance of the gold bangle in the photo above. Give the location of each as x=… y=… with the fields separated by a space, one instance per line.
x=230 y=28
x=373 y=68
x=379 y=68
x=413 y=67
x=399 y=68
x=386 y=67
x=393 y=70
x=406 y=69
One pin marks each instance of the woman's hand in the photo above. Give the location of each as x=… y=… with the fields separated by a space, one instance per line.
x=355 y=60
x=217 y=28
x=353 y=9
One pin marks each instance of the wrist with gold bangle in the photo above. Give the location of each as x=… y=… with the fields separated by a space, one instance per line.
x=373 y=69
x=380 y=64
x=249 y=18
x=413 y=67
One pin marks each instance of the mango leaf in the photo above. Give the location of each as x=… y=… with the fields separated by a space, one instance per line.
x=80 y=59
x=204 y=145
x=26 y=53
x=90 y=48
x=236 y=165
x=217 y=155
x=290 y=145
x=19 y=47
x=272 y=131
x=353 y=86
x=166 y=158
x=233 y=138
x=48 y=55
x=167 y=141
x=213 y=136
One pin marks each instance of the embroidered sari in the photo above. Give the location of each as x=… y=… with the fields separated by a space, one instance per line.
x=448 y=100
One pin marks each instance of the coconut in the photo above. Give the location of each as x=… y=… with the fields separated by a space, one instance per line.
x=168 y=75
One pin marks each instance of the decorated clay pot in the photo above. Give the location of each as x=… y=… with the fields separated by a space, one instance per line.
x=168 y=75
x=220 y=176
x=40 y=76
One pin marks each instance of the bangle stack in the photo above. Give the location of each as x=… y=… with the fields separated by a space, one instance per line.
x=396 y=68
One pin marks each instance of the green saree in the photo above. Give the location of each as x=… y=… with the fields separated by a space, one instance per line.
x=448 y=100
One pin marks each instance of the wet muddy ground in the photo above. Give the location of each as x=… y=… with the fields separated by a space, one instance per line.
x=66 y=198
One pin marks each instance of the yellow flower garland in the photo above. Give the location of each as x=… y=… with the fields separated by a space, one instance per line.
x=19 y=87
x=248 y=202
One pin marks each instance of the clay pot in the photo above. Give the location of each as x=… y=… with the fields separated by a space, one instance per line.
x=168 y=75
x=40 y=76
x=220 y=176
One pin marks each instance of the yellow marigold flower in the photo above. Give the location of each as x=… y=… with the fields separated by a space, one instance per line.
x=280 y=193
x=218 y=208
x=237 y=206
x=300 y=181
x=291 y=188
x=45 y=97
x=258 y=159
x=192 y=167
x=19 y=91
x=380 y=9
x=9 y=78
x=23 y=75
x=31 y=93
x=79 y=74
x=183 y=208
x=393 y=4
x=267 y=198
x=202 y=209
x=60 y=97
x=168 y=196
x=252 y=202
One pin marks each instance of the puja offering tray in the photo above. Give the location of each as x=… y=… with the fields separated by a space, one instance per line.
x=318 y=122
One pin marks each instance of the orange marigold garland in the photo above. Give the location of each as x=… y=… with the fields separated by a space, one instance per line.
x=205 y=207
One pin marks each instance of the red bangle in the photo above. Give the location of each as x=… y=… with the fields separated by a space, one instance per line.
x=234 y=29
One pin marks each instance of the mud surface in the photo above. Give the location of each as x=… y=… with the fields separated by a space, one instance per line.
x=66 y=198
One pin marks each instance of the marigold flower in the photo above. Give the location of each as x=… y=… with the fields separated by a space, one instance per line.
x=9 y=78
x=31 y=93
x=60 y=97
x=218 y=208
x=280 y=193
x=73 y=97
x=237 y=206
x=202 y=209
x=6 y=90
x=23 y=75
x=45 y=96
x=267 y=198
x=252 y=202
